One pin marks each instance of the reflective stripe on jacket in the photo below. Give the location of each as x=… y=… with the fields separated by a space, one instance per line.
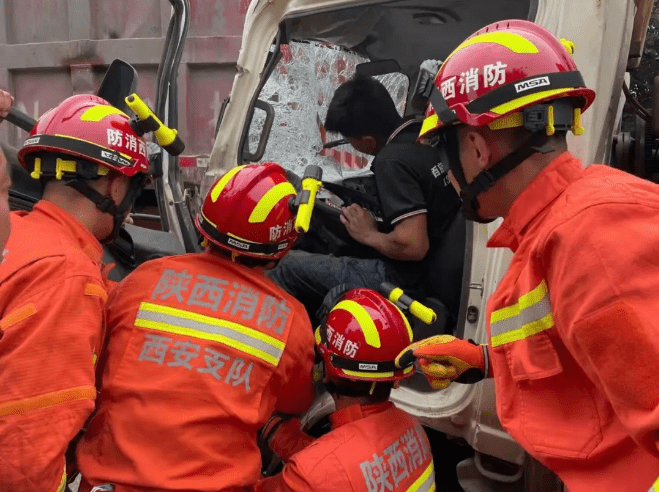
x=201 y=352
x=370 y=449
x=574 y=326
x=52 y=298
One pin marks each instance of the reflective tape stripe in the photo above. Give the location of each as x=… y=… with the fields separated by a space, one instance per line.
x=426 y=482
x=364 y=319
x=269 y=200
x=17 y=315
x=237 y=336
x=99 y=112
x=514 y=42
x=217 y=189
x=530 y=315
x=20 y=407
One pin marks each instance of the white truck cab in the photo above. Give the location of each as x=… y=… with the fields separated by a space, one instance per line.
x=295 y=53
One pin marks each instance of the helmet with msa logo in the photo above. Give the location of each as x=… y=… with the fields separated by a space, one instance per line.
x=362 y=336
x=83 y=137
x=247 y=212
x=499 y=71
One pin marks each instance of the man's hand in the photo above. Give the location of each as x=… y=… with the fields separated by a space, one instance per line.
x=359 y=223
x=444 y=359
x=6 y=100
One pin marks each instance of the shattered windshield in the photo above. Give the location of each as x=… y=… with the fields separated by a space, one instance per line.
x=300 y=89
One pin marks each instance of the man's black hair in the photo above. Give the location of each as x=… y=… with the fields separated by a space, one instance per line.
x=362 y=106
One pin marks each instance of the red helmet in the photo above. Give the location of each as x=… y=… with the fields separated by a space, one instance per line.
x=246 y=211
x=361 y=338
x=502 y=69
x=88 y=127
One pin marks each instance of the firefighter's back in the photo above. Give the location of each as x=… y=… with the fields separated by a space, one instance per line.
x=201 y=351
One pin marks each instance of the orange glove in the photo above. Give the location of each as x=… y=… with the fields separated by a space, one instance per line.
x=444 y=359
x=285 y=437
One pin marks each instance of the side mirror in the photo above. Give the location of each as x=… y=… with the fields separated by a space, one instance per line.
x=119 y=82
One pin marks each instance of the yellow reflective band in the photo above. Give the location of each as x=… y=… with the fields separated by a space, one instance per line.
x=530 y=315
x=237 y=336
x=426 y=482
x=364 y=320
x=527 y=300
x=429 y=124
x=407 y=323
x=217 y=189
x=514 y=42
x=269 y=200
x=523 y=101
x=100 y=111
x=524 y=331
x=374 y=375
x=316 y=336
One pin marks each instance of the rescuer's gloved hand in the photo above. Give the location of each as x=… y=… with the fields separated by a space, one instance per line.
x=444 y=359
x=284 y=436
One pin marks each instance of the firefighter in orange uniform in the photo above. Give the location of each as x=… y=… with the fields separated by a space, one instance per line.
x=52 y=291
x=373 y=446
x=573 y=329
x=203 y=348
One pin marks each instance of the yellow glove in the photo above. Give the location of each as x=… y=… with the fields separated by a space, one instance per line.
x=444 y=359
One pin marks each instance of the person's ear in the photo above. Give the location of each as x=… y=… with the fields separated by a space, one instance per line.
x=118 y=188
x=370 y=144
x=477 y=150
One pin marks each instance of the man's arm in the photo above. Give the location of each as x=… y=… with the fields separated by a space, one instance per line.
x=408 y=241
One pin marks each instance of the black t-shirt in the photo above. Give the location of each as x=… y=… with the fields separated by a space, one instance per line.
x=411 y=180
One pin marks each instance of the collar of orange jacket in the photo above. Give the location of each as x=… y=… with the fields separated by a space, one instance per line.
x=357 y=412
x=72 y=227
x=549 y=183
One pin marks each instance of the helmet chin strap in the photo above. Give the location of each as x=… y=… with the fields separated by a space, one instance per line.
x=448 y=149
x=106 y=205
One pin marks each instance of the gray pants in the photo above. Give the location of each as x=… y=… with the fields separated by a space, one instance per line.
x=309 y=277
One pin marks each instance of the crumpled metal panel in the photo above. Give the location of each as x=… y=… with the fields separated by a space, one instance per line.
x=51 y=49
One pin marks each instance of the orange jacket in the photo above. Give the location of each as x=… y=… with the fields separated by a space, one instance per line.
x=52 y=298
x=373 y=448
x=574 y=326
x=201 y=352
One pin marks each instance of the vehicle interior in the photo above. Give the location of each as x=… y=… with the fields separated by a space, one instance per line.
x=311 y=56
